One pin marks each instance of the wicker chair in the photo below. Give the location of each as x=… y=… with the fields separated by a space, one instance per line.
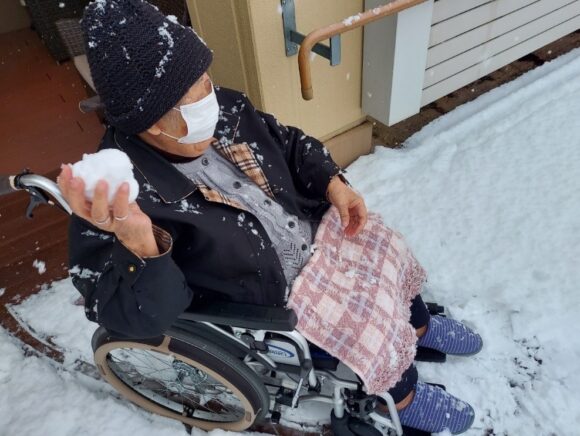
x=174 y=7
x=45 y=14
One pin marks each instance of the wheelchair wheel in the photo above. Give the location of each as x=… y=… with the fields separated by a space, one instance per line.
x=184 y=378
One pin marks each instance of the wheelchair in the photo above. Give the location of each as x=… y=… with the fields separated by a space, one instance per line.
x=231 y=365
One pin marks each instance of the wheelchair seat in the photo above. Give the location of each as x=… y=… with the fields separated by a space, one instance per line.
x=243 y=315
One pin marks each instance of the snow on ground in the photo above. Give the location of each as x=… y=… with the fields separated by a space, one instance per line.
x=488 y=197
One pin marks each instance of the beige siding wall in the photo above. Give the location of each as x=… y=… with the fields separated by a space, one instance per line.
x=224 y=25
x=472 y=38
x=248 y=41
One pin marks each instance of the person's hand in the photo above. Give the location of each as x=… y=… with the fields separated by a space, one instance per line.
x=130 y=225
x=351 y=206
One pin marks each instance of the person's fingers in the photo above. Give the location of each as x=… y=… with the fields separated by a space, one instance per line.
x=100 y=208
x=365 y=211
x=63 y=180
x=358 y=217
x=344 y=214
x=121 y=203
x=76 y=197
x=361 y=214
x=353 y=225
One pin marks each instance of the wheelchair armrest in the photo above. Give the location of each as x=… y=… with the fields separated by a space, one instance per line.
x=243 y=315
x=91 y=104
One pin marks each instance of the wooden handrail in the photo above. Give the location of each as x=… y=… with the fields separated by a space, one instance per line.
x=345 y=25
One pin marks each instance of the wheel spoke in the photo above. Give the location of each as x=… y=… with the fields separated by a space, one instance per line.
x=175 y=384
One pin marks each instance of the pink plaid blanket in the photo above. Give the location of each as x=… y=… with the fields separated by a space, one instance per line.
x=353 y=299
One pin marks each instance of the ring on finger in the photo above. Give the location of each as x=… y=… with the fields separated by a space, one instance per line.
x=121 y=218
x=103 y=222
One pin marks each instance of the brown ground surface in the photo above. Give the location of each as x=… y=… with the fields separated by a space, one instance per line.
x=40 y=127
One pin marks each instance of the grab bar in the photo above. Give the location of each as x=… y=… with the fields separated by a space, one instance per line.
x=345 y=25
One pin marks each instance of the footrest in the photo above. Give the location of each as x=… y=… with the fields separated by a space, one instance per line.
x=408 y=431
x=430 y=355
x=350 y=426
x=435 y=309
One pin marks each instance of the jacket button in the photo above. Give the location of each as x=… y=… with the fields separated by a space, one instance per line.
x=291 y=224
x=237 y=185
x=267 y=202
x=132 y=268
x=304 y=247
x=205 y=161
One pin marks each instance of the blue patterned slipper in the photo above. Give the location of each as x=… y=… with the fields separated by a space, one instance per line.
x=450 y=337
x=434 y=410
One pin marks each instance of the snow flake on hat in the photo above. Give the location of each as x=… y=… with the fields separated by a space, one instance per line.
x=164 y=33
x=100 y=5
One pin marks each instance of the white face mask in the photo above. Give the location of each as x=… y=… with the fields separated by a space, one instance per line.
x=201 y=118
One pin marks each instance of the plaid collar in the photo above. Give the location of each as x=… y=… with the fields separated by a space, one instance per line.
x=170 y=184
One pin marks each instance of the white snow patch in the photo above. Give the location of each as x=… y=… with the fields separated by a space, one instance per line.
x=187 y=207
x=352 y=19
x=487 y=196
x=39 y=265
x=84 y=273
x=164 y=33
x=93 y=234
x=100 y=5
x=241 y=219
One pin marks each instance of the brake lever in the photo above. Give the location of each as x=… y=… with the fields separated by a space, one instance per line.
x=37 y=198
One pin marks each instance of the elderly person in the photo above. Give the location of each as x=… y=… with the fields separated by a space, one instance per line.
x=230 y=200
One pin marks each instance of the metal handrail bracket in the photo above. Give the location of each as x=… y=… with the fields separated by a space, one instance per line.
x=293 y=38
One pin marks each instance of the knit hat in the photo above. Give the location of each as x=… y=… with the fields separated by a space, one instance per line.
x=142 y=62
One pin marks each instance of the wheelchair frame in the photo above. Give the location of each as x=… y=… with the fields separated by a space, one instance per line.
x=250 y=328
x=249 y=331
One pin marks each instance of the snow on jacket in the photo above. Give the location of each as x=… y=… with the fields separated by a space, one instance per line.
x=211 y=251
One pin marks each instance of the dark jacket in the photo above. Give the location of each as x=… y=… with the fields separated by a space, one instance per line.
x=210 y=253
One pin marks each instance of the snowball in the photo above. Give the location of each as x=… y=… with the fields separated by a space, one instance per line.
x=110 y=165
